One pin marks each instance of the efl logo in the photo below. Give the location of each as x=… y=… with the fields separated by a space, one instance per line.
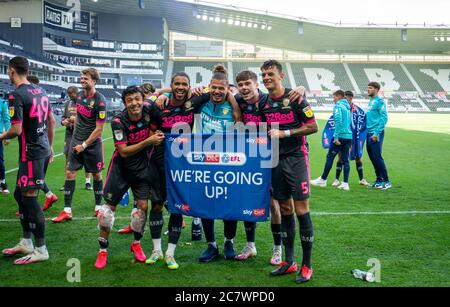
x=259 y=212
x=210 y=158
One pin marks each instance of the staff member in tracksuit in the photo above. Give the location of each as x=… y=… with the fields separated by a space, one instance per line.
x=342 y=140
x=376 y=122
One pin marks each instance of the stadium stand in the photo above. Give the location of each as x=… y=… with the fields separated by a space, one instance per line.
x=255 y=67
x=437 y=102
x=321 y=77
x=200 y=73
x=431 y=77
x=391 y=76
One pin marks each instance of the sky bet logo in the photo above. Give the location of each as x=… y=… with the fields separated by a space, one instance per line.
x=183 y=207
x=214 y=158
x=254 y=212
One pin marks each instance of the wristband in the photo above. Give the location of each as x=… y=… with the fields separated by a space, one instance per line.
x=287 y=133
x=84 y=145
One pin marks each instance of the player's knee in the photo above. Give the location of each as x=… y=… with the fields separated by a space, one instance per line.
x=71 y=175
x=301 y=207
x=286 y=207
x=98 y=176
x=106 y=217
x=138 y=219
x=142 y=204
x=157 y=207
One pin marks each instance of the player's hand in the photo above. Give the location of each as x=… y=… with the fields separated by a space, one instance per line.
x=374 y=138
x=2 y=136
x=197 y=91
x=78 y=149
x=52 y=157
x=72 y=119
x=65 y=122
x=162 y=101
x=6 y=142
x=157 y=138
x=276 y=134
x=297 y=94
x=336 y=141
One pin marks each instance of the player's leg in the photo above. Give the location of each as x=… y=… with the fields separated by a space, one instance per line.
x=380 y=164
x=283 y=193
x=175 y=226
x=138 y=221
x=344 y=150
x=322 y=180
x=371 y=148
x=3 y=185
x=156 y=213
x=94 y=163
x=360 y=169
x=50 y=198
x=229 y=229
x=298 y=175
x=115 y=185
x=33 y=211
x=74 y=164
x=338 y=171
x=212 y=251
x=87 y=184
x=250 y=249
x=25 y=245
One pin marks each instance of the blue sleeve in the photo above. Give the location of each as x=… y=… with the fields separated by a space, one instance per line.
x=5 y=116
x=337 y=121
x=383 y=116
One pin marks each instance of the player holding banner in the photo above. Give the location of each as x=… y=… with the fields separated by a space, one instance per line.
x=129 y=168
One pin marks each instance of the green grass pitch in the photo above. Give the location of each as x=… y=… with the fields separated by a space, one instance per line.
x=413 y=248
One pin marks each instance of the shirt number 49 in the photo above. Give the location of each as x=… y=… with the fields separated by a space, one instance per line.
x=40 y=109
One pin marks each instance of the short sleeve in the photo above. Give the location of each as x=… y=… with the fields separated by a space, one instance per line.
x=15 y=108
x=118 y=130
x=305 y=112
x=101 y=110
x=199 y=101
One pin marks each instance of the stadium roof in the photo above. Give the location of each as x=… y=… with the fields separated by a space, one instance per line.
x=285 y=32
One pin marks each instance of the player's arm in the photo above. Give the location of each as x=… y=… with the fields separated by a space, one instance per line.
x=16 y=112
x=337 y=115
x=383 y=118
x=237 y=114
x=65 y=121
x=125 y=150
x=99 y=126
x=306 y=116
x=51 y=132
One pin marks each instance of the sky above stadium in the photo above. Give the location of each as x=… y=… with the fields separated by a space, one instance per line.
x=356 y=11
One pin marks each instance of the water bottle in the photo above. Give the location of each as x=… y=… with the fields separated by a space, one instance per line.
x=125 y=199
x=367 y=276
x=196 y=229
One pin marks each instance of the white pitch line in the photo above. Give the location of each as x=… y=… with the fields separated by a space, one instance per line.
x=55 y=156
x=319 y=213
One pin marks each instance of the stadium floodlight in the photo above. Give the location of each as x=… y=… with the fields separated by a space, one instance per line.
x=230 y=21
x=217 y=19
x=269 y=28
x=237 y=23
x=224 y=20
x=249 y=24
x=211 y=18
x=442 y=38
x=255 y=26
x=436 y=39
x=199 y=16
x=263 y=27
x=243 y=24
x=205 y=17
x=448 y=38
